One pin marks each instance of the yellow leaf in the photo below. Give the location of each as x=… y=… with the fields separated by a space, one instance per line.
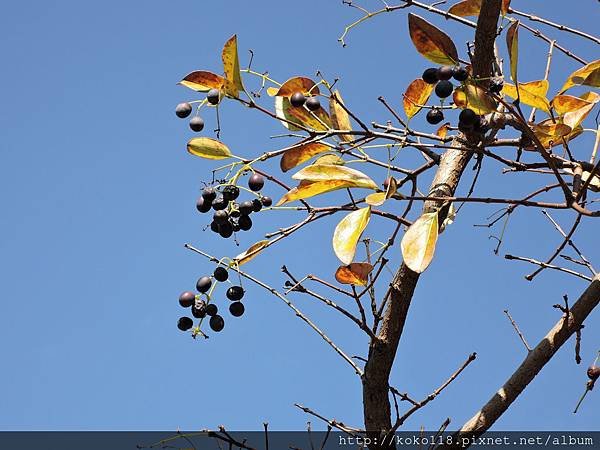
x=355 y=273
x=202 y=81
x=417 y=93
x=512 y=43
x=466 y=8
x=251 y=253
x=208 y=148
x=348 y=232
x=378 y=198
x=307 y=189
x=317 y=120
x=443 y=130
x=282 y=111
x=593 y=79
x=272 y=91
x=329 y=160
x=550 y=133
x=340 y=120
x=475 y=98
x=233 y=79
x=296 y=156
x=572 y=110
x=325 y=172
x=298 y=84
x=580 y=75
x=532 y=93
x=431 y=42
x=418 y=243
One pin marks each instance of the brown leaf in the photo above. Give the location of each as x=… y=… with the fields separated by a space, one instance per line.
x=417 y=93
x=355 y=273
x=233 y=79
x=466 y=8
x=512 y=43
x=251 y=253
x=298 y=84
x=202 y=81
x=431 y=42
x=348 y=232
x=296 y=156
x=475 y=98
x=340 y=120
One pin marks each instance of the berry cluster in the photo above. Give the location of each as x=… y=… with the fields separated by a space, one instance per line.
x=201 y=308
x=231 y=216
x=440 y=76
x=298 y=99
x=183 y=110
x=469 y=121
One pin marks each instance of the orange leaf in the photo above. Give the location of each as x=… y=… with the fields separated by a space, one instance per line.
x=512 y=43
x=443 y=130
x=417 y=93
x=573 y=110
x=202 y=81
x=340 y=119
x=466 y=8
x=355 y=273
x=504 y=7
x=296 y=156
x=431 y=42
x=233 y=79
x=298 y=84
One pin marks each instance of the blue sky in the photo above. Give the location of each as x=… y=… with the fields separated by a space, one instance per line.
x=98 y=198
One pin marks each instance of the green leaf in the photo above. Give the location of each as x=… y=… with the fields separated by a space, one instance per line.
x=208 y=148
x=348 y=232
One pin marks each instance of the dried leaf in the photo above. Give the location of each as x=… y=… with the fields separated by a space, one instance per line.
x=324 y=172
x=296 y=156
x=202 y=81
x=551 y=134
x=512 y=43
x=251 y=253
x=307 y=189
x=208 y=148
x=572 y=110
x=298 y=84
x=282 y=111
x=355 y=273
x=466 y=8
x=475 y=98
x=443 y=130
x=378 y=198
x=348 y=232
x=233 y=79
x=580 y=75
x=593 y=79
x=532 y=93
x=418 y=243
x=340 y=120
x=417 y=93
x=329 y=159
x=317 y=120
x=431 y=42
x=504 y=7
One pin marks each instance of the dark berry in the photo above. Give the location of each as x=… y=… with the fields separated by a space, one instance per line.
x=236 y=309
x=203 y=284
x=209 y=194
x=235 y=226
x=213 y=96
x=256 y=182
x=245 y=223
x=185 y=323
x=221 y=217
x=481 y=124
x=496 y=85
x=443 y=89
x=313 y=103
x=183 y=110
x=246 y=208
x=231 y=192
x=266 y=201
x=214 y=226
x=430 y=76
x=235 y=211
x=211 y=309
x=593 y=372
x=297 y=99
x=197 y=124
x=445 y=72
x=221 y=274
x=219 y=203
x=235 y=293
x=216 y=323
x=199 y=311
x=435 y=116
x=202 y=205
x=187 y=299
x=460 y=74
x=226 y=229
x=256 y=205
x=467 y=117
